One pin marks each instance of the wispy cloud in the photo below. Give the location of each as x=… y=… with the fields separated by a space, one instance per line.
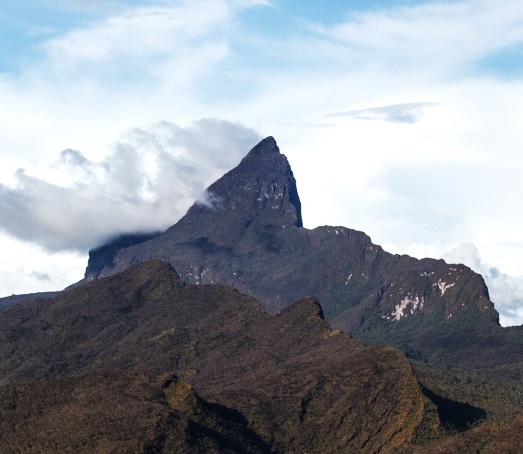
x=400 y=113
x=435 y=36
x=173 y=38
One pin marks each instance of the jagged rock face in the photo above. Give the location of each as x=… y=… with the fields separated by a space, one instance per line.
x=263 y=182
x=250 y=236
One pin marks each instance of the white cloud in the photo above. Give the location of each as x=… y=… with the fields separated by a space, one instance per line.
x=138 y=66
x=430 y=37
x=138 y=33
x=505 y=291
x=146 y=183
x=27 y=268
x=401 y=113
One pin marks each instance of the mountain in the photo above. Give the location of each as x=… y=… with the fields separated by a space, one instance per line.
x=250 y=235
x=148 y=359
x=140 y=362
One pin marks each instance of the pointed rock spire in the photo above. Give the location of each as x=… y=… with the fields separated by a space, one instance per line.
x=263 y=181
x=266 y=147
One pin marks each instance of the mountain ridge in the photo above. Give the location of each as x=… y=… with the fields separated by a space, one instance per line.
x=440 y=315
x=143 y=363
x=251 y=236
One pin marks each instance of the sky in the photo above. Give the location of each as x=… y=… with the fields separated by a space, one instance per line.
x=401 y=119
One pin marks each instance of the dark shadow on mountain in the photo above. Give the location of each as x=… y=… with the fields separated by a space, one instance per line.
x=104 y=255
x=455 y=415
x=207 y=246
x=269 y=240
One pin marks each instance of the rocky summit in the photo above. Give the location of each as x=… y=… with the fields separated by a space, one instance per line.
x=249 y=234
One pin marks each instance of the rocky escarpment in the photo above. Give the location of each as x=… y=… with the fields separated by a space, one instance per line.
x=249 y=235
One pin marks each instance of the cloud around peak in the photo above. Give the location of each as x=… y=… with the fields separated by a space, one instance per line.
x=146 y=183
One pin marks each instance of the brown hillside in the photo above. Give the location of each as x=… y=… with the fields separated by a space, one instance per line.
x=301 y=386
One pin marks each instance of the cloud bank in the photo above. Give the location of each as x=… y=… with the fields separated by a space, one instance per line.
x=146 y=183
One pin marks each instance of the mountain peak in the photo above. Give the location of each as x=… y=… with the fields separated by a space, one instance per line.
x=246 y=236
x=266 y=147
x=263 y=182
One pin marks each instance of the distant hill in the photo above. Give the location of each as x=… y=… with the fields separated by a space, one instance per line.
x=15 y=299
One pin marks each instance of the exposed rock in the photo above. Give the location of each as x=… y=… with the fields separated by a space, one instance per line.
x=104 y=255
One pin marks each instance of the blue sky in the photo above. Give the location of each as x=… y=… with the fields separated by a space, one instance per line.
x=401 y=119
